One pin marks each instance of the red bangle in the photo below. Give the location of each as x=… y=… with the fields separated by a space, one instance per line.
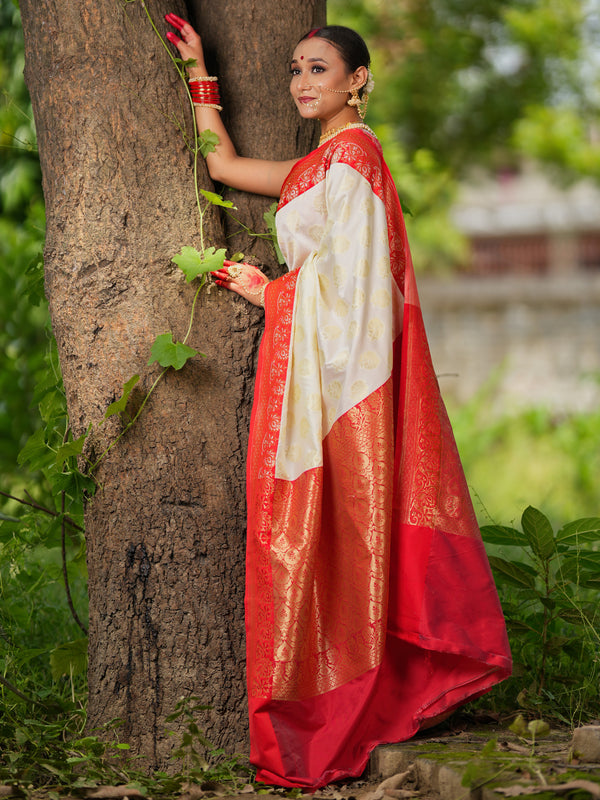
x=204 y=92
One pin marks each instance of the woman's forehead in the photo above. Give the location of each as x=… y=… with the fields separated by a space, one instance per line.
x=316 y=48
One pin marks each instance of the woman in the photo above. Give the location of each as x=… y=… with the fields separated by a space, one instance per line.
x=370 y=608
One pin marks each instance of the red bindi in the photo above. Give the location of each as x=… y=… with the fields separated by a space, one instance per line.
x=301 y=58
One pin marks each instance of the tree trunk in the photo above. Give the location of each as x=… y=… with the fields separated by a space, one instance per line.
x=166 y=528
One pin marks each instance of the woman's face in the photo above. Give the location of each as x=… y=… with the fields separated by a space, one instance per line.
x=321 y=81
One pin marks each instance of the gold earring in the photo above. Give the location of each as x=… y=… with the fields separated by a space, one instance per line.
x=354 y=99
x=358 y=103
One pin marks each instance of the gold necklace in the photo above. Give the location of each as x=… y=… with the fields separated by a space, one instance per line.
x=330 y=134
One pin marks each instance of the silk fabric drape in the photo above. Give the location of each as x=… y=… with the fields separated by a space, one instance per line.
x=370 y=605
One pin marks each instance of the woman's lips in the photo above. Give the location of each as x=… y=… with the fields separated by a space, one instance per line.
x=306 y=99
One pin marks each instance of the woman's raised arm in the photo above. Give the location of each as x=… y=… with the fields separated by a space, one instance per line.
x=224 y=164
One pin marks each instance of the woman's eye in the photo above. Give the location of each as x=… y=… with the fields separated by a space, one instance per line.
x=295 y=71
x=317 y=68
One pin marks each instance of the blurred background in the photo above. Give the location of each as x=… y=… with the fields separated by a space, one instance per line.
x=488 y=112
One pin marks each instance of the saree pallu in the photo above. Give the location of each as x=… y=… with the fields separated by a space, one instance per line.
x=370 y=605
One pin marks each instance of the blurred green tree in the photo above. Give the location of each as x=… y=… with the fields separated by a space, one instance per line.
x=23 y=337
x=461 y=77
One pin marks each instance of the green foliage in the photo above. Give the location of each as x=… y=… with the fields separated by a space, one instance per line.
x=47 y=750
x=546 y=581
x=453 y=76
x=510 y=457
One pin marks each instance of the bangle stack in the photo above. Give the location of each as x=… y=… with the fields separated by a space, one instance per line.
x=205 y=92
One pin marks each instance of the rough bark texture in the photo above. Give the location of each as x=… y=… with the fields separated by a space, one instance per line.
x=166 y=528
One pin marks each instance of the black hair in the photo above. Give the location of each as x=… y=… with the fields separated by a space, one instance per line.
x=350 y=45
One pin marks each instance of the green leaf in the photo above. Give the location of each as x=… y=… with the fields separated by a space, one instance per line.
x=72 y=482
x=169 y=353
x=72 y=448
x=512 y=573
x=216 y=199
x=118 y=406
x=37 y=452
x=500 y=534
x=269 y=218
x=213 y=259
x=538 y=530
x=580 y=531
x=193 y=263
x=189 y=62
x=582 y=569
x=207 y=142
x=68 y=658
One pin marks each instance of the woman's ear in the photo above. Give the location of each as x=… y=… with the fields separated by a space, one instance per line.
x=360 y=77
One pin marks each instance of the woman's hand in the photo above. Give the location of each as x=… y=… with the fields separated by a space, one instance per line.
x=243 y=279
x=189 y=46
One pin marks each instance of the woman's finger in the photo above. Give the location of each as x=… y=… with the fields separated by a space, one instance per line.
x=175 y=21
x=173 y=38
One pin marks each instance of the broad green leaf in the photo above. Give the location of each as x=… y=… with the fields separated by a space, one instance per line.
x=72 y=448
x=216 y=199
x=37 y=452
x=73 y=483
x=68 y=658
x=118 y=407
x=213 y=259
x=207 y=141
x=538 y=530
x=169 y=353
x=500 y=534
x=580 y=531
x=512 y=573
x=193 y=263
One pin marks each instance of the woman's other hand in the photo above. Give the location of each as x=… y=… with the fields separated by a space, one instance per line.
x=243 y=279
x=189 y=45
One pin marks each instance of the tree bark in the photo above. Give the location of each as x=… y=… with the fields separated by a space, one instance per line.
x=166 y=528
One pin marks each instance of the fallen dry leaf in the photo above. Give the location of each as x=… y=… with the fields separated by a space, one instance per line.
x=107 y=792
x=396 y=781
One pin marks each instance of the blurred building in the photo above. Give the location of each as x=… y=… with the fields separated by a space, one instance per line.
x=522 y=223
x=525 y=316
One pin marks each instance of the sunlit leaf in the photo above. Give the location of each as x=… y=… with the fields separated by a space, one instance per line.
x=207 y=142
x=193 y=263
x=216 y=199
